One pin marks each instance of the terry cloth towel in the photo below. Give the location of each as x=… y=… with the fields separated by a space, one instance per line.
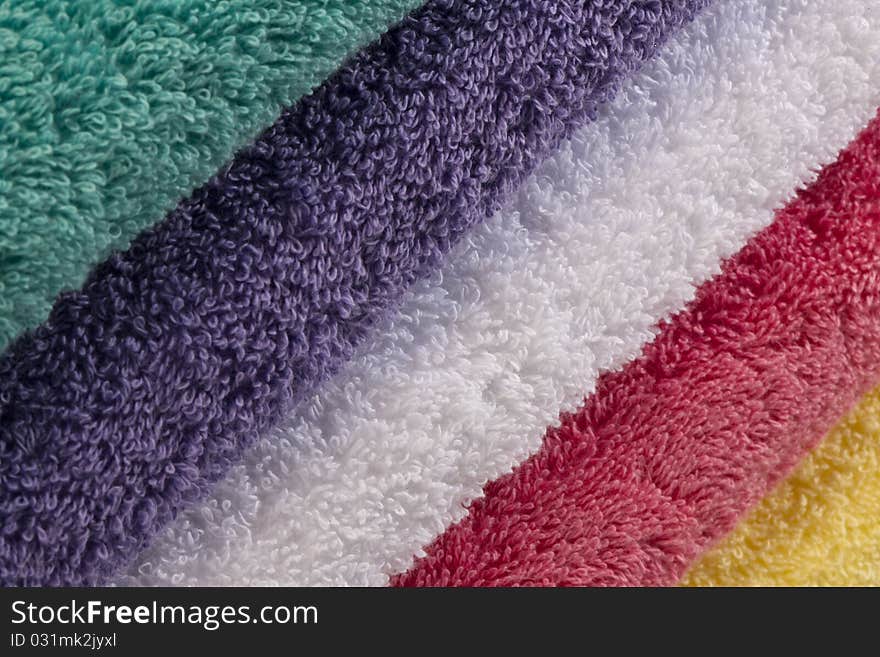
x=819 y=527
x=608 y=237
x=669 y=452
x=110 y=111
x=143 y=387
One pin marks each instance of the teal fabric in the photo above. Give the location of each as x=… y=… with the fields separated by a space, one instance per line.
x=112 y=110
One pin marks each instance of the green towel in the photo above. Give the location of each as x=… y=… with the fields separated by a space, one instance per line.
x=112 y=110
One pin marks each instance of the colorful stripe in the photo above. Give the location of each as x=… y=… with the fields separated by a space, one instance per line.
x=109 y=113
x=568 y=280
x=668 y=453
x=819 y=528
x=310 y=369
x=144 y=387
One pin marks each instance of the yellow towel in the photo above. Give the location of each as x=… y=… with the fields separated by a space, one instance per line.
x=820 y=527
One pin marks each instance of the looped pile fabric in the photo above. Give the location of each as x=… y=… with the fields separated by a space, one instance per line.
x=143 y=387
x=111 y=111
x=610 y=234
x=521 y=293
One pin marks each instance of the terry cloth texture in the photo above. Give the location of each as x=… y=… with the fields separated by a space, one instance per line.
x=608 y=237
x=668 y=453
x=819 y=527
x=143 y=388
x=111 y=111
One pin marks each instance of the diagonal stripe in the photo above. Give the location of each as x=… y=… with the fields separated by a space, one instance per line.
x=567 y=281
x=819 y=527
x=667 y=454
x=109 y=114
x=145 y=386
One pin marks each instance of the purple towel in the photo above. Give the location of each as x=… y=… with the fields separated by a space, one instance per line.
x=144 y=387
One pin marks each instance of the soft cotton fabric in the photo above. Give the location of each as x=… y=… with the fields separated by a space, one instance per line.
x=667 y=455
x=609 y=236
x=143 y=388
x=819 y=527
x=111 y=111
